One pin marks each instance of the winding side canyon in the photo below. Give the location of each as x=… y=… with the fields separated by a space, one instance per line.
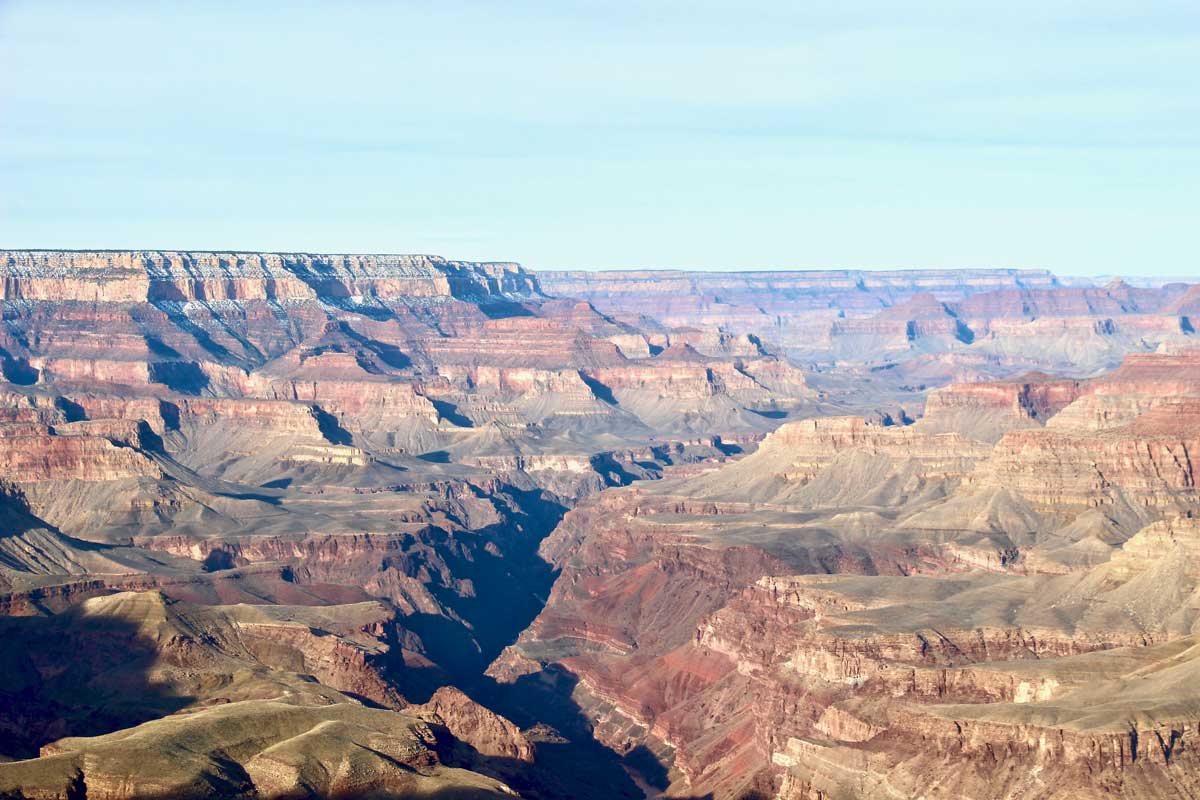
x=295 y=525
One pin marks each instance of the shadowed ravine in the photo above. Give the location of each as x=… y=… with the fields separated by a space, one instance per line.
x=285 y=525
x=569 y=762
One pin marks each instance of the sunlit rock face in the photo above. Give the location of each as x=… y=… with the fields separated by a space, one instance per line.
x=355 y=525
x=999 y=600
x=309 y=490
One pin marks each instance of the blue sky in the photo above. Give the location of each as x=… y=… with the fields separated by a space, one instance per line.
x=698 y=134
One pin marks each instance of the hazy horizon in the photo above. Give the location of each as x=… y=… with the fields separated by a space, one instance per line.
x=700 y=136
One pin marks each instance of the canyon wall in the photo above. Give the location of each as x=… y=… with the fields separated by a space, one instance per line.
x=941 y=609
x=421 y=527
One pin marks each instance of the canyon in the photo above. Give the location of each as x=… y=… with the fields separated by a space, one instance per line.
x=291 y=525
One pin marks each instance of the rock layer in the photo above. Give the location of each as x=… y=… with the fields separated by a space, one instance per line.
x=875 y=610
x=270 y=525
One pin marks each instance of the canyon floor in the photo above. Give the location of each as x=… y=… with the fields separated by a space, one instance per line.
x=295 y=525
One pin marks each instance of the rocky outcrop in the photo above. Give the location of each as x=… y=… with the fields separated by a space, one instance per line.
x=814 y=444
x=247 y=495
x=875 y=610
x=1001 y=320
x=32 y=454
x=260 y=748
x=1034 y=396
x=488 y=733
x=168 y=276
x=1151 y=464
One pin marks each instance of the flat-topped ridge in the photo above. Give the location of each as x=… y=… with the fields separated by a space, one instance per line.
x=164 y=275
x=816 y=278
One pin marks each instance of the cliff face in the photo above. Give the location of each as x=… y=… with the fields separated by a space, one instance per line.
x=35 y=453
x=167 y=276
x=1059 y=470
x=279 y=486
x=871 y=610
x=287 y=514
x=1000 y=320
x=412 y=346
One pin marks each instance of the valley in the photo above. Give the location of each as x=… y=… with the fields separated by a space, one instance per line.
x=289 y=525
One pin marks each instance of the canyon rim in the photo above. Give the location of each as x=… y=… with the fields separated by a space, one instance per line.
x=283 y=525
x=585 y=400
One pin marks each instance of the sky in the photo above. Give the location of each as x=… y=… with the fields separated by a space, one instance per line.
x=709 y=135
